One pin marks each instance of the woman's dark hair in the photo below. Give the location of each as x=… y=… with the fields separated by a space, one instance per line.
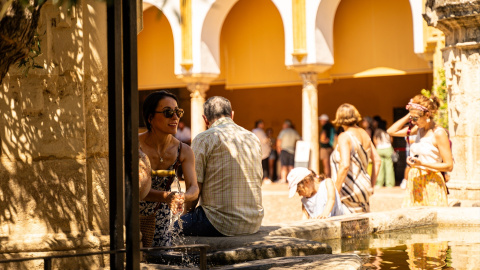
x=150 y=105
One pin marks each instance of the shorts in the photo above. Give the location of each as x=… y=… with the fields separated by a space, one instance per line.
x=325 y=153
x=286 y=159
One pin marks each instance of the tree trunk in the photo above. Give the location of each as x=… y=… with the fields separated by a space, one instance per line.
x=17 y=32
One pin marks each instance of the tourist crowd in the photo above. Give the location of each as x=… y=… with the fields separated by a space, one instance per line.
x=226 y=165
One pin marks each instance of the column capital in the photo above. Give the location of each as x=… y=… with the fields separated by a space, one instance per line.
x=309 y=78
x=317 y=68
x=198 y=84
x=452 y=16
x=197 y=78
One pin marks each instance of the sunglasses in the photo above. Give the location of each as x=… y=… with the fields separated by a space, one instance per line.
x=168 y=113
x=414 y=118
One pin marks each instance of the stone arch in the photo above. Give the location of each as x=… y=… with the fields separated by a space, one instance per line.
x=324 y=19
x=171 y=10
x=324 y=29
x=383 y=39
x=252 y=42
x=417 y=9
x=206 y=41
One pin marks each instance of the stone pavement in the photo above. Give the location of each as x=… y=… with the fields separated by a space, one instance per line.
x=280 y=209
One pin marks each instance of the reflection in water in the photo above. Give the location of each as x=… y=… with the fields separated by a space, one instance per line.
x=416 y=256
x=427 y=255
x=445 y=248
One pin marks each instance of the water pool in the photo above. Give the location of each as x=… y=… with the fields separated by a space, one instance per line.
x=418 y=248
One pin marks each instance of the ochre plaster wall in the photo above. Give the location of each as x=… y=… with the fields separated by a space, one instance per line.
x=374 y=37
x=155 y=52
x=253 y=47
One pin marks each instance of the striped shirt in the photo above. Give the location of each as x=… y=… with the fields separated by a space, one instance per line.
x=228 y=162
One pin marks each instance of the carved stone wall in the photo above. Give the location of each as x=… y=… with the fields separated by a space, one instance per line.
x=54 y=143
x=460 y=22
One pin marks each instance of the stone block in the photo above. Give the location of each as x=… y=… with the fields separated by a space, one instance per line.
x=466 y=216
x=42 y=198
x=98 y=194
x=96 y=118
x=53 y=128
x=315 y=229
x=402 y=218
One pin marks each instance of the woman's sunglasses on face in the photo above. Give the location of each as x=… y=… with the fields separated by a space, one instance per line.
x=168 y=113
x=414 y=118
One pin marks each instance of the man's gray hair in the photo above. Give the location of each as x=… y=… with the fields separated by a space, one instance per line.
x=217 y=107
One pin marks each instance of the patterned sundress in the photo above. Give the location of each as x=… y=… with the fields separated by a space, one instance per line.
x=163 y=234
x=425 y=187
x=357 y=188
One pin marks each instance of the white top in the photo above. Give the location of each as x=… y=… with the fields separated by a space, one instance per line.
x=264 y=142
x=184 y=135
x=383 y=141
x=426 y=151
x=315 y=204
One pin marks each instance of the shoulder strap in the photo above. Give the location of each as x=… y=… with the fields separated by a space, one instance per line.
x=354 y=142
x=177 y=161
x=175 y=167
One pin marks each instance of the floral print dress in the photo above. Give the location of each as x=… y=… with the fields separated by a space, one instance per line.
x=163 y=232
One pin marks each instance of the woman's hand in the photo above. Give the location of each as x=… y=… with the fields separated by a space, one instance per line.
x=322 y=216
x=175 y=202
x=414 y=161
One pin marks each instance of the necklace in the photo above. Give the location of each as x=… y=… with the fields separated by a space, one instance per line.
x=160 y=154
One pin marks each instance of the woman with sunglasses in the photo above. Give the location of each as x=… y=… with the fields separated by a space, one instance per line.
x=430 y=153
x=161 y=115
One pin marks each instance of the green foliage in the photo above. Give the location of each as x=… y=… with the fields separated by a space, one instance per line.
x=35 y=50
x=29 y=62
x=440 y=91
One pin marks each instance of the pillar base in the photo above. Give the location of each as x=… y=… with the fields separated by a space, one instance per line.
x=464 y=191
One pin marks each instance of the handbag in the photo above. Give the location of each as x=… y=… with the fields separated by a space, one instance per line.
x=395 y=156
x=147 y=227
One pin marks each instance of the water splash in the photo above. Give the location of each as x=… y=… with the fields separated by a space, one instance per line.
x=175 y=233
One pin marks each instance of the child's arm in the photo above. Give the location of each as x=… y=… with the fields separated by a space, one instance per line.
x=305 y=214
x=330 y=199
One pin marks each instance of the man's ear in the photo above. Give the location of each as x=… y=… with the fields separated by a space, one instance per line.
x=206 y=121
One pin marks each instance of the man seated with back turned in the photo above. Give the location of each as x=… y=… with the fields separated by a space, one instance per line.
x=228 y=161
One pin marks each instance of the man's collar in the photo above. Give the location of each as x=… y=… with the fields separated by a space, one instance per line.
x=220 y=121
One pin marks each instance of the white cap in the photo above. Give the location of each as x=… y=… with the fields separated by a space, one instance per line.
x=323 y=117
x=296 y=176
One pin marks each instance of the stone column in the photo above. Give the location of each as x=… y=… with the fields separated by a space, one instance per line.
x=460 y=22
x=310 y=117
x=198 y=90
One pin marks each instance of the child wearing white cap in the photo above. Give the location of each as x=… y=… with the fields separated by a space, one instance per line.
x=320 y=198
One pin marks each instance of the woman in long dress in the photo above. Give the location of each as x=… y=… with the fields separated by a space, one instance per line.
x=430 y=153
x=349 y=162
x=161 y=115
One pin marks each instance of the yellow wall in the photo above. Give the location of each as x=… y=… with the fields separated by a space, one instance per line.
x=253 y=46
x=374 y=34
x=155 y=52
x=371 y=96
